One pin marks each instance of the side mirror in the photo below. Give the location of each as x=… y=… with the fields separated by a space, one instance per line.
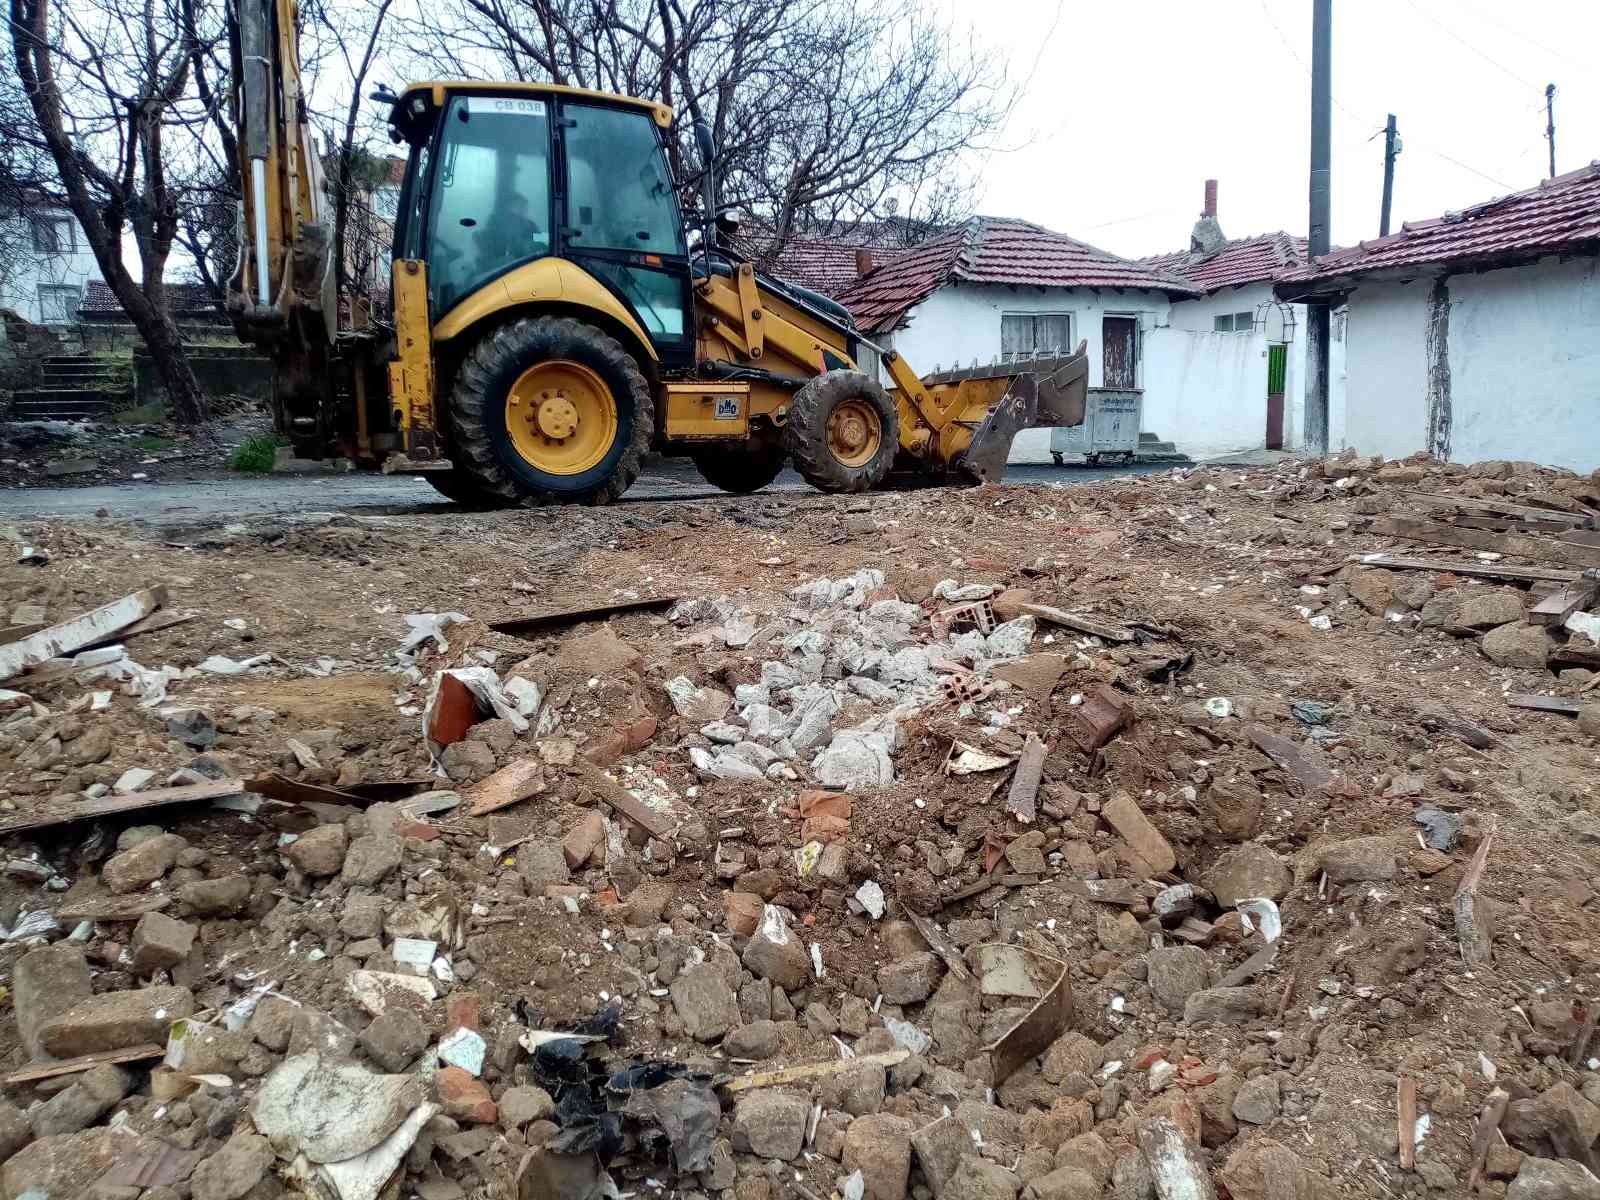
x=706 y=145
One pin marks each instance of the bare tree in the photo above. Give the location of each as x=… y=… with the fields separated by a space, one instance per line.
x=106 y=84
x=827 y=112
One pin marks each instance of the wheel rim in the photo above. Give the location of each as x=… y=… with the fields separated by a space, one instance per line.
x=561 y=417
x=855 y=432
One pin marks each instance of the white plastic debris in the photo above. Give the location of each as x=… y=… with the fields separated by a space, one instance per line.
x=855 y=1187
x=1322 y=621
x=1219 y=707
x=463 y=1048
x=485 y=687
x=39 y=923
x=238 y=624
x=429 y=627
x=525 y=694
x=1588 y=624
x=414 y=954
x=816 y=960
x=1263 y=914
x=221 y=664
x=370 y=988
x=237 y=1015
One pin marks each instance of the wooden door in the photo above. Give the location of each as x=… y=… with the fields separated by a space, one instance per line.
x=1277 y=368
x=1119 y=336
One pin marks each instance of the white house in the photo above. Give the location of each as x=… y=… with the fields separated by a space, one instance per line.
x=1475 y=335
x=993 y=289
x=46 y=260
x=1232 y=361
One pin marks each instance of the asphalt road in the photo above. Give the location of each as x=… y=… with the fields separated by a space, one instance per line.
x=295 y=493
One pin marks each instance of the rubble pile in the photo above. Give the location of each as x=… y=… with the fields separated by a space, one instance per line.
x=1219 y=833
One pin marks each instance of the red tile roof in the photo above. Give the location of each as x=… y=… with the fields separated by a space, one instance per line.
x=824 y=266
x=997 y=251
x=183 y=300
x=1560 y=215
x=1243 y=260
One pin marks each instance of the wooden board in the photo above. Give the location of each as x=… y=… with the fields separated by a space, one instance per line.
x=86 y=630
x=1555 y=608
x=1549 y=704
x=71 y=1066
x=1083 y=624
x=1476 y=570
x=1487 y=504
x=512 y=783
x=1582 y=537
x=615 y=797
x=15 y=633
x=115 y=908
x=533 y=623
x=1521 y=545
x=105 y=806
x=150 y=624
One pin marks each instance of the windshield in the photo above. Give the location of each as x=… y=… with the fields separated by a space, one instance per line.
x=490 y=203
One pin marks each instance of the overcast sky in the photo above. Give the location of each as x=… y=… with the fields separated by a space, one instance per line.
x=1130 y=106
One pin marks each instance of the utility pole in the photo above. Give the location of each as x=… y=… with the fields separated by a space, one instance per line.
x=1550 y=123
x=1391 y=147
x=1317 y=312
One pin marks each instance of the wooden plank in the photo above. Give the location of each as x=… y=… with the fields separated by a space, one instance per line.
x=514 y=782
x=1477 y=570
x=615 y=797
x=1521 y=545
x=71 y=636
x=1549 y=704
x=535 y=622
x=295 y=791
x=1291 y=757
x=1472 y=932
x=1120 y=892
x=1485 y=1132
x=1557 y=607
x=1406 y=1112
x=809 y=1071
x=1487 y=504
x=990 y=881
x=105 y=806
x=1021 y=801
x=115 y=908
x=15 y=633
x=155 y=621
x=71 y=1066
x=1582 y=537
x=1083 y=624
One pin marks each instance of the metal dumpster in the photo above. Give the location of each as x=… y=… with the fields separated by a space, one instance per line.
x=1111 y=422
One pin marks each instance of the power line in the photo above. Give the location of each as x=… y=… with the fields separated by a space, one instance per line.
x=1488 y=58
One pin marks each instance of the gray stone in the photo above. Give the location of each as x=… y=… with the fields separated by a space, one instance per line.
x=541 y=863
x=1223 y=1006
x=159 y=943
x=232 y=1171
x=978 y=1179
x=141 y=865
x=68 y=1164
x=776 y=953
x=910 y=979
x=83 y=1103
x=1553 y=1179
x=940 y=1146
x=1071 y=1053
x=116 y=1021
x=879 y=1146
x=47 y=982
x=319 y=852
x=854 y=761
x=1066 y=1183
x=856 y=1092
x=1176 y=972
x=362 y=917
x=1176 y=1163
x=467 y=761
x=1258 y=1101
x=757 y=1040
x=370 y=859
x=1489 y=607
x=771 y=1124
x=704 y=1002
x=15 y=1132
x=273 y=1022
x=316 y=1031
x=521 y=1105
x=1517 y=644
x=223 y=897
x=1357 y=860
x=395 y=1038
x=1246 y=871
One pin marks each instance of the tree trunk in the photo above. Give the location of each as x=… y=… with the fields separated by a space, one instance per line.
x=160 y=333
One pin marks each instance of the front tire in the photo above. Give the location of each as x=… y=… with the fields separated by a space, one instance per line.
x=739 y=469
x=550 y=410
x=843 y=432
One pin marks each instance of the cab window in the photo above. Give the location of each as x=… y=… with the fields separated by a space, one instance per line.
x=619 y=193
x=490 y=203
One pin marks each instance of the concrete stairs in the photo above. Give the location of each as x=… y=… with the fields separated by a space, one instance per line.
x=1153 y=449
x=73 y=387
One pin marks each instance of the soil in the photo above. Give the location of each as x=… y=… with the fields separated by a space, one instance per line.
x=1232 y=567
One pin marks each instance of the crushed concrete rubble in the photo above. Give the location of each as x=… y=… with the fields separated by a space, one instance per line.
x=734 y=875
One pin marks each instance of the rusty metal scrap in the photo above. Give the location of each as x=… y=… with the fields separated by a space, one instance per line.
x=1098 y=719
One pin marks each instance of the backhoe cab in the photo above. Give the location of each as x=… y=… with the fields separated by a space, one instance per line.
x=551 y=322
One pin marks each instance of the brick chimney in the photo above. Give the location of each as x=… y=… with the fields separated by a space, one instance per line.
x=1207 y=237
x=864 y=263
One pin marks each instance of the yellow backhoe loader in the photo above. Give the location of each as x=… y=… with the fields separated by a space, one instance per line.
x=549 y=320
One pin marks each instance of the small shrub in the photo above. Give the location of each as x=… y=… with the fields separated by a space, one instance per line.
x=256 y=453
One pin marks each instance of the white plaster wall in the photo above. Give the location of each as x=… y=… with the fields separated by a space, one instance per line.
x=961 y=324
x=1206 y=392
x=1386 y=369
x=1525 y=364
x=20 y=278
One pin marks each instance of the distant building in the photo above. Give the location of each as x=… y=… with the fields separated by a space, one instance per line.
x=187 y=302
x=1475 y=335
x=47 y=260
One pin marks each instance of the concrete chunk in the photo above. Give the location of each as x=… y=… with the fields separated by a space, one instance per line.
x=47 y=982
x=116 y=1021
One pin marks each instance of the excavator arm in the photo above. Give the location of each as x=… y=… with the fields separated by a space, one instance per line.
x=282 y=294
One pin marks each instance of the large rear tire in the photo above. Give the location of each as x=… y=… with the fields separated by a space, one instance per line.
x=742 y=469
x=549 y=410
x=843 y=432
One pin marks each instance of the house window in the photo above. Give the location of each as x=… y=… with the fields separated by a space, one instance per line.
x=1034 y=335
x=58 y=303
x=1233 y=322
x=52 y=235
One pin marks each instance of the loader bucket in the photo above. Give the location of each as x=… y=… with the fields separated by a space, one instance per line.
x=1043 y=392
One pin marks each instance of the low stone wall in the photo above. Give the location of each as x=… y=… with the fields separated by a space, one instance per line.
x=221 y=370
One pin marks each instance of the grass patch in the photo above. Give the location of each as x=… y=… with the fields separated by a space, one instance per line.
x=151 y=442
x=146 y=414
x=256 y=453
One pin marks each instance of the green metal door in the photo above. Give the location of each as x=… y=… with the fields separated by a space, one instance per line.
x=1277 y=370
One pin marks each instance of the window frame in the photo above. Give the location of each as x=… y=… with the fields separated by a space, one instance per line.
x=62 y=229
x=1033 y=318
x=57 y=290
